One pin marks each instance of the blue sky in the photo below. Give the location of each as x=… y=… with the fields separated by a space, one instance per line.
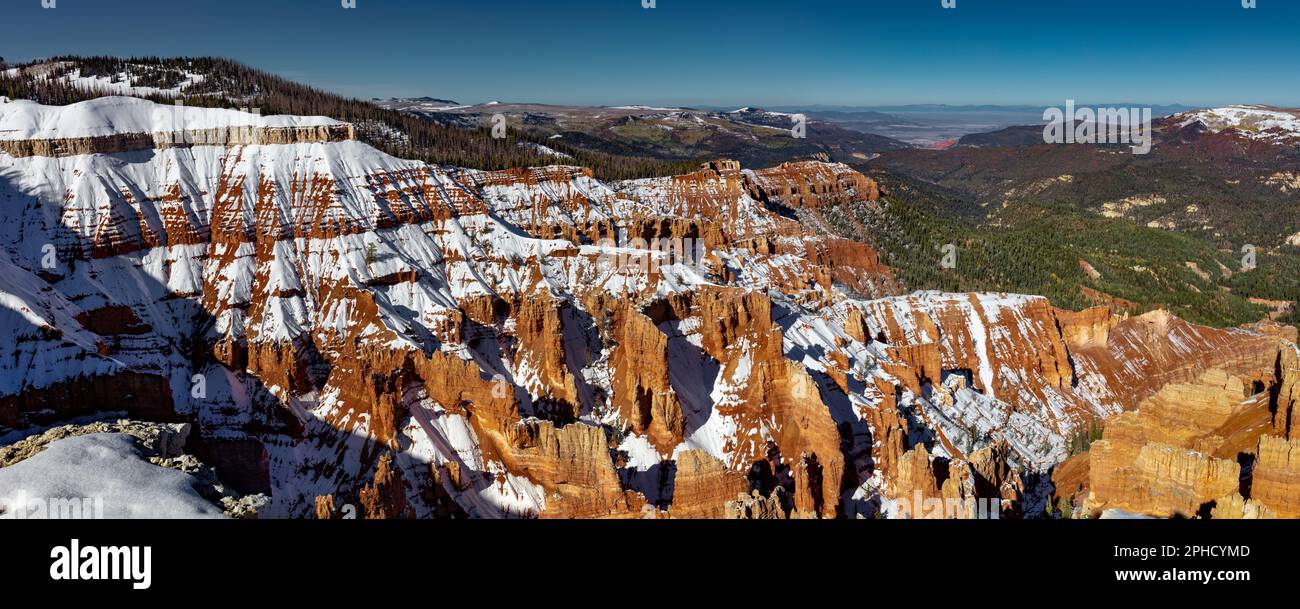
x=721 y=52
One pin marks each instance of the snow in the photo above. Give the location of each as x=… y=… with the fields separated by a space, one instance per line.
x=641 y=454
x=1256 y=122
x=29 y=309
x=546 y=150
x=120 y=84
x=105 y=473
x=981 y=337
x=27 y=120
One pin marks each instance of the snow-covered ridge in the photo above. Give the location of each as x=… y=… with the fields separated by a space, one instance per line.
x=106 y=116
x=1256 y=122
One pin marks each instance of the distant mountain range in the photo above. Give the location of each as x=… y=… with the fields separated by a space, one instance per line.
x=924 y=125
x=753 y=136
x=1157 y=109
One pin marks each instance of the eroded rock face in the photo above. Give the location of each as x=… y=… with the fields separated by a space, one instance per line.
x=1285 y=399
x=573 y=464
x=541 y=332
x=643 y=394
x=1145 y=353
x=983 y=335
x=1178 y=453
x=1275 y=481
x=704 y=485
x=1209 y=392
x=915 y=479
x=1158 y=479
x=1088 y=328
x=384 y=498
x=426 y=341
x=1234 y=507
x=754 y=506
x=811 y=184
x=215 y=136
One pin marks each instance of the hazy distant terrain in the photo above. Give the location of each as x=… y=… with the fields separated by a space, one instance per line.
x=932 y=125
x=753 y=136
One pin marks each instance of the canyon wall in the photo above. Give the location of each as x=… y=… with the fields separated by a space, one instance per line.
x=351 y=329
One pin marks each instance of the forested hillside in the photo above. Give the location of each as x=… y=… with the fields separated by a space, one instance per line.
x=1073 y=256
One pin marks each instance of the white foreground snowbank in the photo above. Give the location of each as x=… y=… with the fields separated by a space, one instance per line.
x=98 y=476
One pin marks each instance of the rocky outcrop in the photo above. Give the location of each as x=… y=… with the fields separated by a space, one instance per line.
x=643 y=395
x=804 y=434
x=1275 y=479
x=1158 y=479
x=703 y=486
x=1215 y=415
x=754 y=506
x=983 y=335
x=726 y=206
x=1284 y=399
x=222 y=136
x=1179 y=451
x=1233 y=507
x=1087 y=328
x=991 y=474
x=113 y=320
x=915 y=483
x=542 y=351
x=385 y=497
x=890 y=435
x=573 y=463
x=1144 y=354
x=1070 y=479
x=852 y=265
x=812 y=184
x=325 y=508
